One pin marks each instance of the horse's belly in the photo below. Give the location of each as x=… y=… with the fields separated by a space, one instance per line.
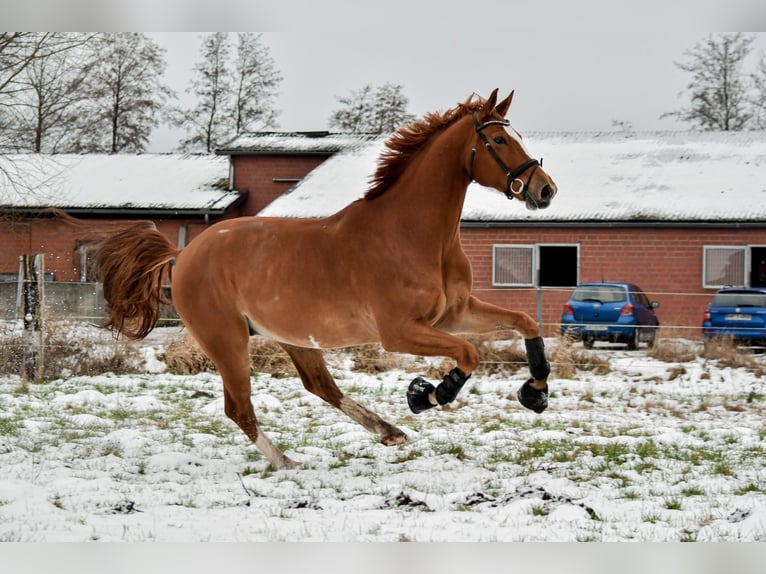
x=313 y=326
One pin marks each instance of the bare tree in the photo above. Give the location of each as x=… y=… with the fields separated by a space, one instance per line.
x=355 y=114
x=390 y=108
x=208 y=123
x=718 y=88
x=759 y=96
x=46 y=111
x=367 y=110
x=232 y=96
x=18 y=51
x=256 y=81
x=126 y=95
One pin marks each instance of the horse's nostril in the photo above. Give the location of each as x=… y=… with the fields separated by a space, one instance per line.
x=546 y=193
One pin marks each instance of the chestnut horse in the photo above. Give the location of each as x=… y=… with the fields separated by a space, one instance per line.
x=387 y=268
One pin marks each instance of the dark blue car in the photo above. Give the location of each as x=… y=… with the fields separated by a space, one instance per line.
x=738 y=313
x=614 y=312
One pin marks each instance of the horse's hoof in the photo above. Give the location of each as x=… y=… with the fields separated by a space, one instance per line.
x=418 y=395
x=286 y=463
x=394 y=438
x=533 y=398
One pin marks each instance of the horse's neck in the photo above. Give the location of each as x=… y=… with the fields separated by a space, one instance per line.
x=429 y=196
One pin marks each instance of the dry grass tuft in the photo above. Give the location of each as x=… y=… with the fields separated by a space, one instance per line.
x=567 y=359
x=726 y=353
x=498 y=356
x=372 y=359
x=672 y=351
x=183 y=356
x=66 y=355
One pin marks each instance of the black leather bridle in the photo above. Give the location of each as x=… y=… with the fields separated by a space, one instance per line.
x=511 y=175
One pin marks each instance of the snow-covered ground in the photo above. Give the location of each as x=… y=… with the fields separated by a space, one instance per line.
x=651 y=451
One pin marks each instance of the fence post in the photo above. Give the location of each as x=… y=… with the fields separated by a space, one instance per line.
x=32 y=279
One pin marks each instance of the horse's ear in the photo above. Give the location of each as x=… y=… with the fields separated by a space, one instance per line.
x=502 y=107
x=489 y=106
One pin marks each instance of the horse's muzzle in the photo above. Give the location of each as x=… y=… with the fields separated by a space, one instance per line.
x=542 y=198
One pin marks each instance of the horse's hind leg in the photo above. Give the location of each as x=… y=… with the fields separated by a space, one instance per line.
x=229 y=351
x=317 y=380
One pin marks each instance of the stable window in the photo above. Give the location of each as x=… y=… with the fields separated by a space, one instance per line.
x=725 y=266
x=513 y=265
x=535 y=265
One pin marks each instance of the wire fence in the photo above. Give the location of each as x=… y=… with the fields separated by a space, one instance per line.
x=72 y=304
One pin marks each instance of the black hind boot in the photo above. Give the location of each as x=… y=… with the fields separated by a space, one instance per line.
x=420 y=391
x=533 y=398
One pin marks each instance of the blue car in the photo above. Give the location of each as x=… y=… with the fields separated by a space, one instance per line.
x=739 y=313
x=614 y=312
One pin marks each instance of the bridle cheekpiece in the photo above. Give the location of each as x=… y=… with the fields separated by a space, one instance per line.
x=512 y=175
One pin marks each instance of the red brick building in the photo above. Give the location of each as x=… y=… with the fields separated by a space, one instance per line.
x=680 y=214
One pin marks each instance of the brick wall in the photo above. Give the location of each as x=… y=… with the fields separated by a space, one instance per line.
x=665 y=263
x=60 y=242
x=256 y=174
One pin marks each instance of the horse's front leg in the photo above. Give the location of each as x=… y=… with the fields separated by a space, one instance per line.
x=478 y=317
x=417 y=337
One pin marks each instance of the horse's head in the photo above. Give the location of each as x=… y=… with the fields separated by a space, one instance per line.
x=503 y=162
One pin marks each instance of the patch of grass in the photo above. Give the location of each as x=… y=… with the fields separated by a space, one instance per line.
x=647 y=449
x=449 y=448
x=9 y=427
x=752 y=487
x=57 y=501
x=692 y=491
x=111 y=448
x=540 y=510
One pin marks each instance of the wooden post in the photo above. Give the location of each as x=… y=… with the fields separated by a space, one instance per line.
x=33 y=275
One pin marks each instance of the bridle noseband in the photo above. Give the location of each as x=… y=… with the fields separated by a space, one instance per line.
x=511 y=175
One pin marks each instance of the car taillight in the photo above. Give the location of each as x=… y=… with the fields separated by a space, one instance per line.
x=568 y=309
x=706 y=316
x=627 y=311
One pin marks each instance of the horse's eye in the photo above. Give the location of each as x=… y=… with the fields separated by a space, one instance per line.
x=500 y=140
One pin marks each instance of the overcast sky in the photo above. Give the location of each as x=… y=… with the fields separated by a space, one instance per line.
x=575 y=64
x=566 y=77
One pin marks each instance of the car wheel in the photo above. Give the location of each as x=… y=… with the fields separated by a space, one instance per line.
x=633 y=341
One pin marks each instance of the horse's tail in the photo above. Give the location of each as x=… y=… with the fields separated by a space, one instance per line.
x=134 y=266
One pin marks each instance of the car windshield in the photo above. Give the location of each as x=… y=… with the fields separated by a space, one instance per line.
x=739 y=300
x=600 y=293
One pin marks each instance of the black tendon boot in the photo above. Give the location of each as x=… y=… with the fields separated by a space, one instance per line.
x=418 y=395
x=450 y=386
x=539 y=368
x=420 y=390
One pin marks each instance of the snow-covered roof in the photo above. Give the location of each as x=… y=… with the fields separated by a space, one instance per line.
x=153 y=182
x=318 y=142
x=614 y=176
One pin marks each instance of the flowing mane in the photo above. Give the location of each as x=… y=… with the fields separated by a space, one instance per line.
x=407 y=141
